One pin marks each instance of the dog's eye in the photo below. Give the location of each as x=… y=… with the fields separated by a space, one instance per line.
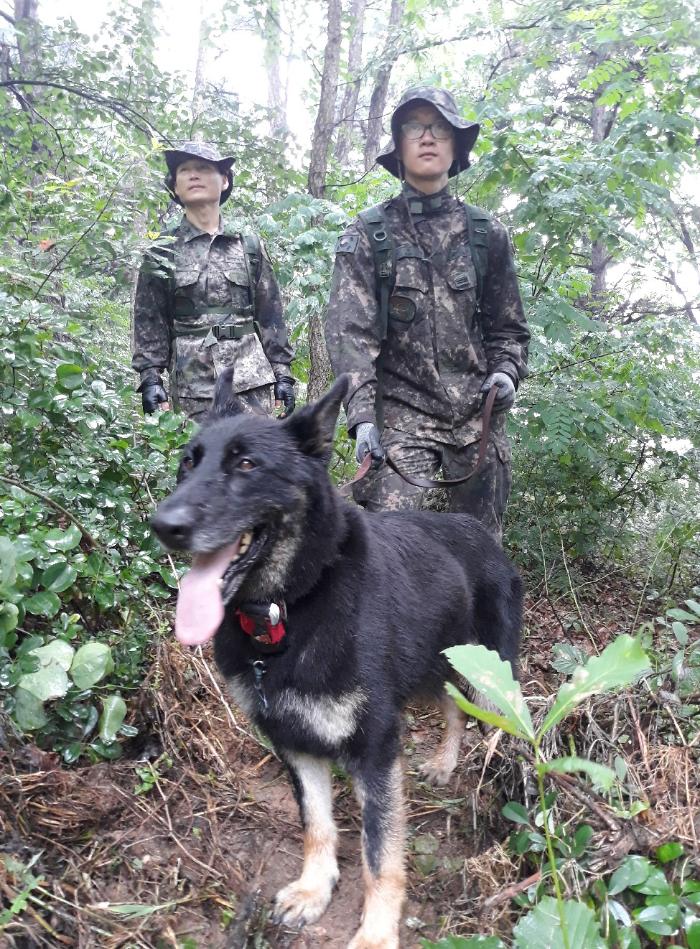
x=187 y=463
x=245 y=464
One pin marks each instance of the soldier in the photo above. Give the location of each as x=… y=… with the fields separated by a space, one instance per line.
x=425 y=314
x=207 y=298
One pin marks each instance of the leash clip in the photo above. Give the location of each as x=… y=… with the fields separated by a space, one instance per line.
x=259 y=670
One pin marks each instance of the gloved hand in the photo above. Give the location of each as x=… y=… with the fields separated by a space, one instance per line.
x=506 y=390
x=284 y=393
x=152 y=395
x=367 y=437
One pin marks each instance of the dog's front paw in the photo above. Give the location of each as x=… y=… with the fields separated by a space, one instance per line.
x=368 y=937
x=300 y=903
x=438 y=770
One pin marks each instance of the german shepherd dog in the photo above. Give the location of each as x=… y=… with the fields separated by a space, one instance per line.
x=327 y=620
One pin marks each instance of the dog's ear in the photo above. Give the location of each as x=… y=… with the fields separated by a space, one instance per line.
x=225 y=402
x=313 y=426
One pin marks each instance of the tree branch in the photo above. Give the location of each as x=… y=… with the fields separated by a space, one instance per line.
x=50 y=501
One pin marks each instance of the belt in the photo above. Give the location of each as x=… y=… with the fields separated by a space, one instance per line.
x=217 y=331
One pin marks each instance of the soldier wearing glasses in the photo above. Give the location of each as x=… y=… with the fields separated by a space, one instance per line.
x=206 y=299
x=425 y=344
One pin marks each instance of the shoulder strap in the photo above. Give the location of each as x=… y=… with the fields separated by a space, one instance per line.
x=381 y=241
x=253 y=254
x=478 y=222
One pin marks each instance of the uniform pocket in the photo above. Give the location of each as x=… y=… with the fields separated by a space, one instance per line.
x=238 y=275
x=251 y=367
x=184 y=279
x=410 y=292
x=194 y=368
x=460 y=273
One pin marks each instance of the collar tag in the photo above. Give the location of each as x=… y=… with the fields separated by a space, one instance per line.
x=264 y=623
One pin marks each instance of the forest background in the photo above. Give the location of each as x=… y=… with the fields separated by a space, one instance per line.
x=590 y=126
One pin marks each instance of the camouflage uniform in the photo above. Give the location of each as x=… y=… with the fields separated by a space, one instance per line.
x=439 y=350
x=200 y=306
x=199 y=271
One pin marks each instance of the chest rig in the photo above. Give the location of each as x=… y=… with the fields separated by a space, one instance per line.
x=236 y=321
x=386 y=252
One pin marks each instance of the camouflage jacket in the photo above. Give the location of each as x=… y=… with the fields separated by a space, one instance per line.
x=440 y=345
x=191 y=271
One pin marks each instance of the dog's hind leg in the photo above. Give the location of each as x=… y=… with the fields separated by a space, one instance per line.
x=306 y=899
x=381 y=797
x=438 y=768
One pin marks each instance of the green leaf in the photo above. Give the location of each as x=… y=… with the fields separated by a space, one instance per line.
x=677 y=613
x=659 y=920
x=29 y=710
x=601 y=776
x=632 y=871
x=69 y=376
x=515 y=812
x=693 y=934
x=43 y=603
x=58 y=577
x=113 y=714
x=9 y=616
x=680 y=631
x=670 y=851
x=655 y=884
x=92 y=662
x=50 y=680
x=485 y=670
x=465 y=942
x=56 y=539
x=136 y=910
x=695 y=607
x=8 y=564
x=491 y=718
x=619 y=664
x=542 y=927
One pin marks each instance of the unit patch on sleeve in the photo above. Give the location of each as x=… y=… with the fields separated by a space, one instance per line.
x=347 y=244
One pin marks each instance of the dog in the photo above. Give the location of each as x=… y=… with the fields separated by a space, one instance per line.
x=327 y=620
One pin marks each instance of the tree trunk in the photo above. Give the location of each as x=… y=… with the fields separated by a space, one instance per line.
x=346 y=115
x=276 y=89
x=323 y=127
x=377 y=104
x=600 y=259
x=320 y=369
x=199 y=70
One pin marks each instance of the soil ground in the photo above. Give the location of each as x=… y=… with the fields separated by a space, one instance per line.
x=185 y=840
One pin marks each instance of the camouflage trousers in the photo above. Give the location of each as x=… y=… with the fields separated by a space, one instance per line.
x=485 y=496
x=253 y=400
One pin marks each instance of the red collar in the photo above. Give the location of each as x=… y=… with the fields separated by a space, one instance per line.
x=264 y=623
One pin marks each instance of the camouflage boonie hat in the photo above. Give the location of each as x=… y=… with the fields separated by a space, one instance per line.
x=465 y=132
x=176 y=156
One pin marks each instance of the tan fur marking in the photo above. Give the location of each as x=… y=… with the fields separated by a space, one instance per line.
x=438 y=769
x=385 y=892
x=306 y=899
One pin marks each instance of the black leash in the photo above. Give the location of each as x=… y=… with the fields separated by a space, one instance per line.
x=418 y=482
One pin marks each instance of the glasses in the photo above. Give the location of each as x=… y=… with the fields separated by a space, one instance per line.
x=440 y=130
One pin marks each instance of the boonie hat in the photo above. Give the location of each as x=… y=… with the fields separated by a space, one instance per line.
x=465 y=132
x=176 y=156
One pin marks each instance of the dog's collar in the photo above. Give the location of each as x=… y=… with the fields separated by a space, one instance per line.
x=264 y=623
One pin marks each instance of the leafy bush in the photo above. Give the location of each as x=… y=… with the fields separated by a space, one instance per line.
x=80 y=569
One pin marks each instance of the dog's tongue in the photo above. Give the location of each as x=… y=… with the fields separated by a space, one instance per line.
x=200 y=608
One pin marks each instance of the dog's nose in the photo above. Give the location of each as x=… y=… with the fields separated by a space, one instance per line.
x=174 y=525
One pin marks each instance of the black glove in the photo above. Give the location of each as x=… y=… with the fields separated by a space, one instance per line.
x=367 y=437
x=152 y=394
x=284 y=393
x=506 y=390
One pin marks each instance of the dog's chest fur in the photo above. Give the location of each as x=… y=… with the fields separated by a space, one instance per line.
x=329 y=720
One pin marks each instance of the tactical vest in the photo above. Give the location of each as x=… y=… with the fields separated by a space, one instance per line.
x=183 y=309
x=375 y=223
